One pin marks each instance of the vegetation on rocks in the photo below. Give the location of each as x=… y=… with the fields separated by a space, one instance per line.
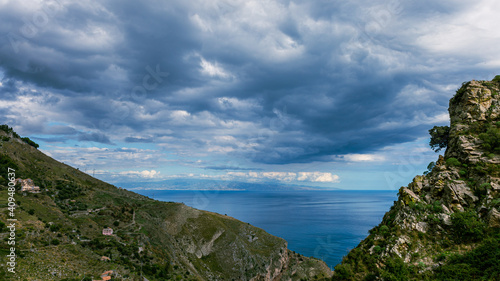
x=445 y=225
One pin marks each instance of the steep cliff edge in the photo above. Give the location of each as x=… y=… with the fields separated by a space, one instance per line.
x=75 y=227
x=445 y=223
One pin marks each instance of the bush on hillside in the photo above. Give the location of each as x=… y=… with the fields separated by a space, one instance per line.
x=478 y=264
x=491 y=139
x=5 y=163
x=453 y=162
x=467 y=227
x=30 y=142
x=8 y=130
x=396 y=270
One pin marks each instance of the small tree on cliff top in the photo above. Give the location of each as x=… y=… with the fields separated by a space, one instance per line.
x=439 y=137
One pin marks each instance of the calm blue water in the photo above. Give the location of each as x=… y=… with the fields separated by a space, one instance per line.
x=323 y=224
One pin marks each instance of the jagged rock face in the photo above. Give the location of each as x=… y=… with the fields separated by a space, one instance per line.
x=421 y=224
x=469 y=183
x=455 y=184
x=475 y=101
x=475 y=104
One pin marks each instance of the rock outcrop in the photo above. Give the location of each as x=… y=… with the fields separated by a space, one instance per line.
x=451 y=209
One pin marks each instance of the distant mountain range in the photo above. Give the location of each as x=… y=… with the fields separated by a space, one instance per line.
x=207 y=184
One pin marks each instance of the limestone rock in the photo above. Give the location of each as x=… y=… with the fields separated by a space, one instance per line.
x=408 y=196
x=420 y=222
x=493 y=218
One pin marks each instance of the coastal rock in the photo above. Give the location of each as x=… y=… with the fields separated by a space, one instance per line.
x=460 y=195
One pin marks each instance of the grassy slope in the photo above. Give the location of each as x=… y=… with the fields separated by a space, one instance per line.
x=58 y=238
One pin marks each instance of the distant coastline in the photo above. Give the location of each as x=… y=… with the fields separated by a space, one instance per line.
x=213 y=185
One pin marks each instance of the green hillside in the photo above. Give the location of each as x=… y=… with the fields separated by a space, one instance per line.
x=59 y=231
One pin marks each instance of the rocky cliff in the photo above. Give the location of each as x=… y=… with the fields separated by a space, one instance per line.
x=445 y=223
x=59 y=231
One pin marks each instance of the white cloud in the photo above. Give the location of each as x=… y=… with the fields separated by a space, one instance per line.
x=213 y=69
x=287 y=176
x=470 y=32
x=280 y=176
x=318 y=177
x=110 y=159
x=363 y=157
x=142 y=174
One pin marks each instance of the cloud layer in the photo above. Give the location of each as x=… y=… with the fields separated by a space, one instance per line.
x=268 y=82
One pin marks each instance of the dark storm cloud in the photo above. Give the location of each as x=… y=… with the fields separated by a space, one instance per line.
x=138 y=139
x=51 y=140
x=94 y=137
x=230 y=168
x=61 y=130
x=276 y=82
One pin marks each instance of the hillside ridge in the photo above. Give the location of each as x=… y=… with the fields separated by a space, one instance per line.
x=80 y=228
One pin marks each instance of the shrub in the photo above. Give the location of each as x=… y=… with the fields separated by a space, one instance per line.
x=496 y=79
x=437 y=207
x=377 y=249
x=433 y=220
x=8 y=130
x=55 y=227
x=496 y=202
x=419 y=207
x=460 y=92
x=412 y=205
x=478 y=264
x=485 y=186
x=453 y=162
x=5 y=163
x=343 y=272
x=396 y=269
x=384 y=229
x=441 y=257
x=491 y=139
x=30 y=142
x=466 y=226
x=482 y=190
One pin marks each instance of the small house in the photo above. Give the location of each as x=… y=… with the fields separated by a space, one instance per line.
x=107 y=231
x=28 y=185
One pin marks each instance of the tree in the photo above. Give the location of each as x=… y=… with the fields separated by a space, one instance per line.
x=30 y=142
x=439 y=137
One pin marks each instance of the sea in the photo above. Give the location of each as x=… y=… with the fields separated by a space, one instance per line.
x=322 y=224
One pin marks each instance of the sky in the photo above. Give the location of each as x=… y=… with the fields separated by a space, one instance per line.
x=319 y=93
